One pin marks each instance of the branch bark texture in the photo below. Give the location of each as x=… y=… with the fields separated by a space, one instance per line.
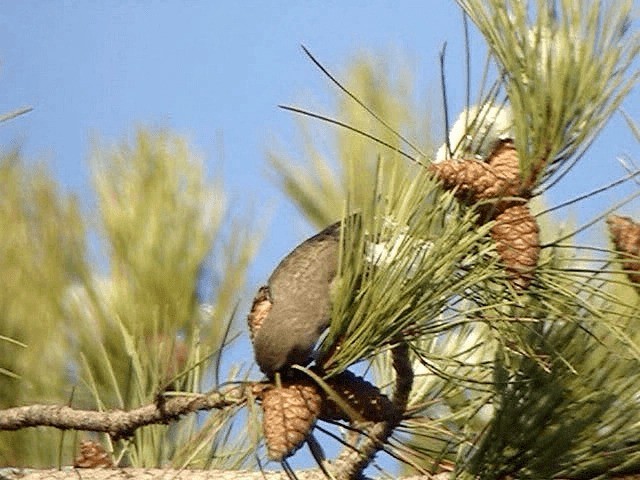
x=120 y=423
x=159 y=474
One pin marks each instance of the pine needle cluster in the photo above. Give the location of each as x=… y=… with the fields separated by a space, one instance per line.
x=567 y=66
x=118 y=333
x=509 y=382
x=536 y=379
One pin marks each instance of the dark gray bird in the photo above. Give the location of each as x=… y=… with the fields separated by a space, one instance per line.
x=290 y=313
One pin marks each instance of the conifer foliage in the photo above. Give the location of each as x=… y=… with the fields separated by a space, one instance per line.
x=440 y=324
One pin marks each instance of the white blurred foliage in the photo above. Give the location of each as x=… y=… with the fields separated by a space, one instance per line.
x=385 y=253
x=82 y=301
x=472 y=348
x=477 y=131
x=479 y=128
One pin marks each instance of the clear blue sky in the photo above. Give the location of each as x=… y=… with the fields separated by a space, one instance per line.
x=216 y=70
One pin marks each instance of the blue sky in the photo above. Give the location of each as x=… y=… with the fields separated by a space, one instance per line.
x=213 y=71
x=216 y=71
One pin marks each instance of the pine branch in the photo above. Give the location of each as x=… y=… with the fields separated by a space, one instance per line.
x=119 y=423
x=156 y=473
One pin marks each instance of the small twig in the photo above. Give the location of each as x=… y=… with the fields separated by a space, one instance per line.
x=467 y=62
x=120 y=423
x=16 y=113
x=165 y=474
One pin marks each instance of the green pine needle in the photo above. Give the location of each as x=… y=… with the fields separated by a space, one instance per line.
x=410 y=250
x=568 y=66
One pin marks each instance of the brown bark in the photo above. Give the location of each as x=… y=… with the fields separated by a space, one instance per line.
x=119 y=423
x=156 y=474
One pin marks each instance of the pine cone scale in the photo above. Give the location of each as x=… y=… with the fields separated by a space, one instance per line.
x=362 y=396
x=517 y=240
x=625 y=234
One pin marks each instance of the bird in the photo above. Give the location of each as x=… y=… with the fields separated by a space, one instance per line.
x=290 y=312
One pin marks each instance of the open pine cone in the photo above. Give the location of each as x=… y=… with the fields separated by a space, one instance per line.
x=290 y=411
x=496 y=179
x=516 y=234
x=93 y=455
x=259 y=311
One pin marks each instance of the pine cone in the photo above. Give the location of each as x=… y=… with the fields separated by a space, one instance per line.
x=476 y=180
x=515 y=232
x=259 y=311
x=626 y=238
x=289 y=414
x=517 y=240
x=362 y=396
x=92 y=455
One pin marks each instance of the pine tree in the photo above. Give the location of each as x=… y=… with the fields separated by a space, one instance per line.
x=465 y=337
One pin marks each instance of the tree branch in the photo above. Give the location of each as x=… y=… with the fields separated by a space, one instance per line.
x=120 y=423
x=156 y=473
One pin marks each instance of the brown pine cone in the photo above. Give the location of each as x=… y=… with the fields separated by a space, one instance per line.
x=364 y=397
x=92 y=455
x=476 y=180
x=515 y=232
x=517 y=240
x=625 y=234
x=289 y=414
